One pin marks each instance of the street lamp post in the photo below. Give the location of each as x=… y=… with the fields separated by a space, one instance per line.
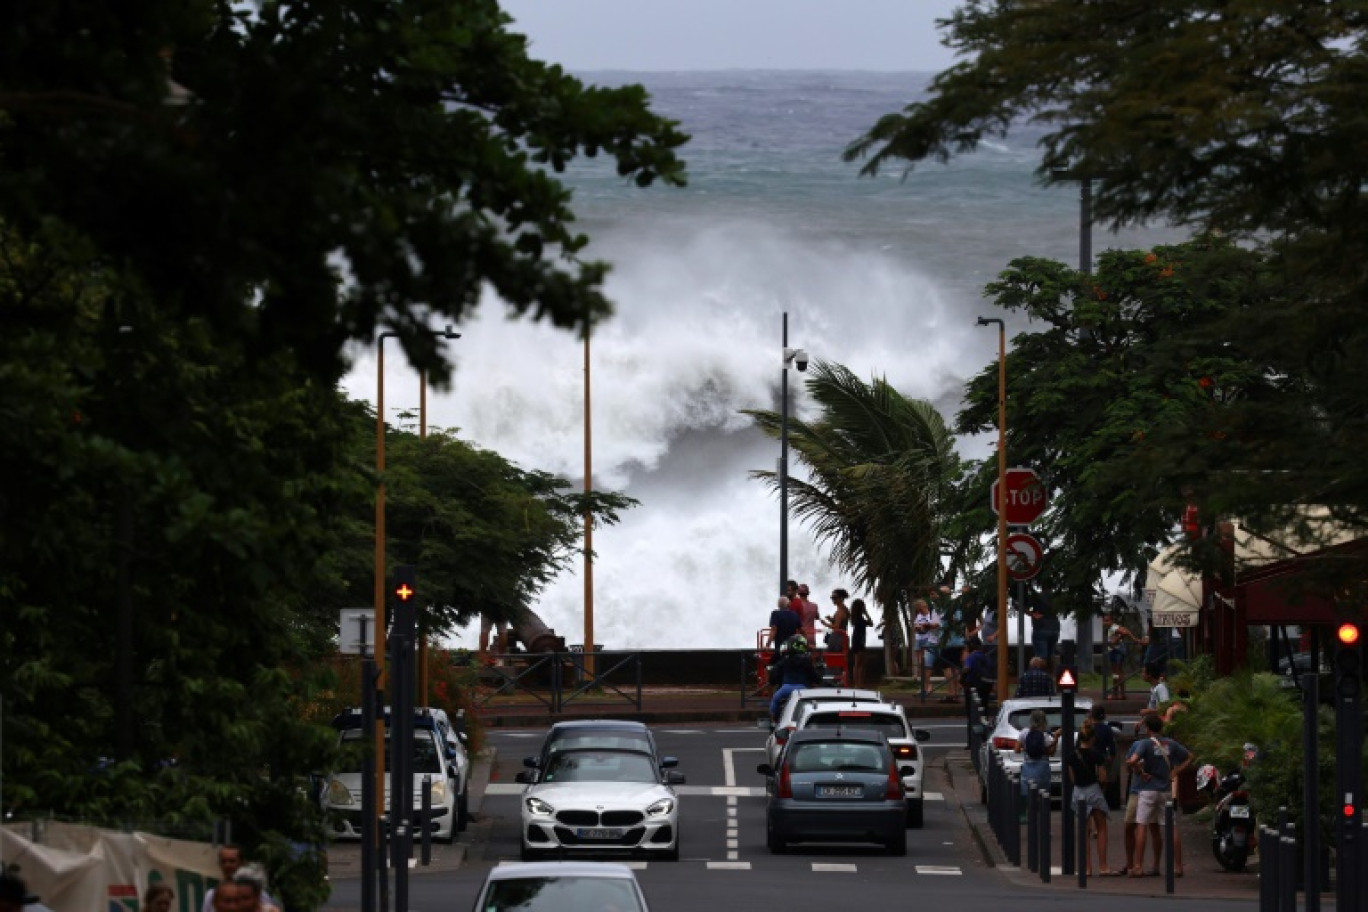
x=588 y=656
x=1002 y=511
x=799 y=359
x=379 y=683
x=448 y=333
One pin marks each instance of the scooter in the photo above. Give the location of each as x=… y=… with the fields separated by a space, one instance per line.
x=1233 y=826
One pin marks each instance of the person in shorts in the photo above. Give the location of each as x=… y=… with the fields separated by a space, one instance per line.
x=1088 y=772
x=926 y=627
x=1155 y=761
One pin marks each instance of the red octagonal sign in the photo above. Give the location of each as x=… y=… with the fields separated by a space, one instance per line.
x=1026 y=497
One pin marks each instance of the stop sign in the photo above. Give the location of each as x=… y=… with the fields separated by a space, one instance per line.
x=1026 y=498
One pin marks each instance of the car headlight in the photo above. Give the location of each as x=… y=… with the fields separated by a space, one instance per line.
x=339 y=794
x=439 y=788
x=660 y=808
x=540 y=808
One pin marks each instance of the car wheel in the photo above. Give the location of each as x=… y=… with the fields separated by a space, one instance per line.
x=897 y=845
x=777 y=846
x=914 y=814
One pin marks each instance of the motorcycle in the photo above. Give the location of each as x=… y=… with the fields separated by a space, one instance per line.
x=1233 y=825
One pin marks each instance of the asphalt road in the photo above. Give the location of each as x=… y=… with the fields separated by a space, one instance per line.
x=724 y=860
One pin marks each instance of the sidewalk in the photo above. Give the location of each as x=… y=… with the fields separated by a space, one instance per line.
x=1202 y=876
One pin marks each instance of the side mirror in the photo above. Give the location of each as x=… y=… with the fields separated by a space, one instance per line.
x=765 y=769
x=450 y=752
x=922 y=734
x=530 y=762
x=669 y=762
x=524 y=776
x=675 y=777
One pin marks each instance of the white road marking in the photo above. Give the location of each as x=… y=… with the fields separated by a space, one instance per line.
x=729 y=866
x=940 y=869
x=504 y=788
x=731 y=812
x=733 y=843
x=835 y=868
x=682 y=731
x=933 y=796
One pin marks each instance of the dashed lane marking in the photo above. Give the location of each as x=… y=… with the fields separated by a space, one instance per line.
x=729 y=866
x=818 y=866
x=939 y=869
x=933 y=796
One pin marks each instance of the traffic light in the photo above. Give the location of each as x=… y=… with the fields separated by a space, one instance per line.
x=1348 y=662
x=1067 y=681
x=404 y=583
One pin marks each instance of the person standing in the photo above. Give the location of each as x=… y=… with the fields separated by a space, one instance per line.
x=890 y=631
x=1159 y=689
x=1036 y=682
x=1088 y=772
x=979 y=673
x=1117 y=645
x=1044 y=626
x=1037 y=745
x=926 y=627
x=783 y=624
x=950 y=649
x=807 y=610
x=860 y=622
x=1154 y=762
x=1104 y=740
x=988 y=632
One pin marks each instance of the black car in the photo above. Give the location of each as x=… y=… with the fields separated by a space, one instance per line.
x=598 y=734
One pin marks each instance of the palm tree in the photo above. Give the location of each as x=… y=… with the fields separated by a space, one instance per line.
x=882 y=467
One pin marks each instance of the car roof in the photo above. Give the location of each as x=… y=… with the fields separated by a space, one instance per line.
x=854 y=733
x=837 y=693
x=1019 y=703
x=599 y=725
x=871 y=706
x=517 y=870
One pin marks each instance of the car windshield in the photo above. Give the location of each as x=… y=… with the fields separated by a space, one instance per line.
x=562 y=894
x=820 y=756
x=425 y=759
x=600 y=766
x=886 y=724
x=601 y=740
x=1054 y=717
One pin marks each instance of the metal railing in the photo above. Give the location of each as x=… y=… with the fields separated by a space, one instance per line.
x=557 y=679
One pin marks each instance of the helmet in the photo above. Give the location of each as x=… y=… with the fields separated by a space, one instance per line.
x=797 y=643
x=1206 y=776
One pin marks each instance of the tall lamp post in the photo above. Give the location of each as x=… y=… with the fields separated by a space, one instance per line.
x=379 y=683
x=799 y=359
x=588 y=517
x=448 y=333
x=1002 y=512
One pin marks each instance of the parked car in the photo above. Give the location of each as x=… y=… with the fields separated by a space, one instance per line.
x=836 y=785
x=1015 y=715
x=600 y=800
x=798 y=703
x=616 y=734
x=889 y=720
x=438 y=756
x=560 y=886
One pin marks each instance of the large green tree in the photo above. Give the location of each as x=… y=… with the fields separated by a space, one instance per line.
x=881 y=467
x=299 y=173
x=1244 y=119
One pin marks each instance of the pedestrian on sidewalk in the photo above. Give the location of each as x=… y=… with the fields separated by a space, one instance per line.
x=1088 y=772
x=1104 y=740
x=837 y=623
x=1155 y=762
x=926 y=628
x=860 y=622
x=807 y=610
x=1037 y=745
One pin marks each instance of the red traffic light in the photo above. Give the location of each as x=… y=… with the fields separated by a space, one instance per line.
x=1067 y=680
x=1349 y=810
x=1348 y=634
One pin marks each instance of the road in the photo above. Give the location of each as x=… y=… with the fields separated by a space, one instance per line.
x=725 y=862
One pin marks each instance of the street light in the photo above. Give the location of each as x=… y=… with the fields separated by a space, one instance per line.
x=1002 y=513
x=1085 y=180
x=799 y=359
x=448 y=333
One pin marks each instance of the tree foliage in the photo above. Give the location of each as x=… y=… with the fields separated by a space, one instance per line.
x=881 y=467
x=297 y=173
x=1245 y=120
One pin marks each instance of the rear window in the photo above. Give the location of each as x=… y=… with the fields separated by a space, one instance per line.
x=819 y=756
x=886 y=724
x=1054 y=718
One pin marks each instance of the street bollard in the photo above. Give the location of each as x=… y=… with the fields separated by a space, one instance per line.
x=426 y=818
x=997 y=799
x=1168 y=846
x=1044 y=819
x=1013 y=815
x=1032 y=830
x=1287 y=874
x=1081 y=815
x=1268 y=873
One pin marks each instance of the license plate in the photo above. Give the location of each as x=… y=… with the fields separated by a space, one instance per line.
x=598 y=833
x=1239 y=810
x=840 y=791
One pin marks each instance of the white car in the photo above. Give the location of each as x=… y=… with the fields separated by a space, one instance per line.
x=438 y=757
x=798 y=703
x=889 y=720
x=1014 y=716
x=560 y=886
x=604 y=801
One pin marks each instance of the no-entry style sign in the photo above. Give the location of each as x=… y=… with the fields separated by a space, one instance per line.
x=1024 y=556
x=1025 y=497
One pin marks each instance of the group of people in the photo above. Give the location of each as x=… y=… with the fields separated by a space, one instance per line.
x=1154 y=764
x=846 y=627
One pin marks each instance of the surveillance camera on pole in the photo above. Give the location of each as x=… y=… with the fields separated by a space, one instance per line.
x=797 y=357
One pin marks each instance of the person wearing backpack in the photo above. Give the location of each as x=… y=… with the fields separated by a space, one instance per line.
x=1037 y=745
x=1155 y=762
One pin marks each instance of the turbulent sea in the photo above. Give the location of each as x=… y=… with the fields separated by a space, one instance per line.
x=884 y=275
